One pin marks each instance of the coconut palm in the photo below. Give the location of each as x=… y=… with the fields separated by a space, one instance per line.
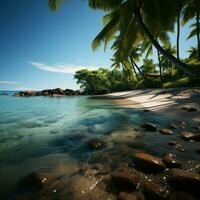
x=192 y=11
x=136 y=21
x=193 y=53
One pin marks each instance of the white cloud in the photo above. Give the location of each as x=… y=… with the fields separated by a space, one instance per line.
x=9 y=82
x=60 y=68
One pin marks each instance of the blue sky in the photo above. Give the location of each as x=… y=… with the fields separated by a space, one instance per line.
x=42 y=49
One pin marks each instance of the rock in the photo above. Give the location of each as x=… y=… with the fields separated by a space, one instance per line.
x=189 y=109
x=179 y=147
x=173 y=143
x=166 y=131
x=149 y=163
x=172 y=126
x=146 y=110
x=198 y=151
x=175 y=195
x=186 y=135
x=124 y=180
x=150 y=127
x=131 y=196
x=171 y=162
x=183 y=180
x=153 y=191
x=35 y=180
x=96 y=144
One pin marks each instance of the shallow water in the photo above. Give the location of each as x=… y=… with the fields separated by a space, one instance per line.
x=44 y=132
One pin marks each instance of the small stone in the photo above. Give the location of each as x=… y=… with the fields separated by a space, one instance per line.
x=171 y=162
x=153 y=190
x=173 y=126
x=149 y=163
x=172 y=143
x=189 y=109
x=96 y=144
x=186 y=135
x=150 y=127
x=180 y=148
x=166 y=131
x=35 y=180
x=131 y=196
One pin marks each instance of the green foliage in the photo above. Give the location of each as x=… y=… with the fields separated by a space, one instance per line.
x=103 y=81
x=149 y=83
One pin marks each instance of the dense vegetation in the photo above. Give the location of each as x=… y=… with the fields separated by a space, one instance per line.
x=136 y=29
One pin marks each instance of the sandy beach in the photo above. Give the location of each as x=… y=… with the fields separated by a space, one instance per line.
x=164 y=101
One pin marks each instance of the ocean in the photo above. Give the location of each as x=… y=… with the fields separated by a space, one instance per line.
x=44 y=132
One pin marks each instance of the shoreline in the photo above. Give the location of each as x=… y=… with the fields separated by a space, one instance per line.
x=173 y=102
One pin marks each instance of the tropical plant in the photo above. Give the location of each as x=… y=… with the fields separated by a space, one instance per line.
x=192 y=11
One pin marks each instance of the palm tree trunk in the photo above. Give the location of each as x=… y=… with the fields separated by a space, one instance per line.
x=133 y=62
x=178 y=36
x=135 y=71
x=198 y=30
x=168 y=56
x=159 y=64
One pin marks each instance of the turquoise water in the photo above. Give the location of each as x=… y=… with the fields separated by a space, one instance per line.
x=42 y=132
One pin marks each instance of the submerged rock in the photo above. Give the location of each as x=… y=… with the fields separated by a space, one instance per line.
x=173 y=143
x=186 y=135
x=153 y=191
x=124 y=180
x=150 y=127
x=131 y=196
x=189 y=109
x=96 y=144
x=149 y=163
x=166 y=131
x=171 y=162
x=183 y=180
x=172 y=126
x=35 y=180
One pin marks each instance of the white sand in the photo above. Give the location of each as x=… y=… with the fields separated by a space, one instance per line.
x=166 y=101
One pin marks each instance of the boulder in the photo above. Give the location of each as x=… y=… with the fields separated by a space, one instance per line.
x=149 y=163
x=171 y=162
x=150 y=127
x=96 y=144
x=125 y=180
x=183 y=180
x=154 y=191
x=166 y=131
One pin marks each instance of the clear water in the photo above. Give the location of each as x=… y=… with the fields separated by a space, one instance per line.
x=39 y=132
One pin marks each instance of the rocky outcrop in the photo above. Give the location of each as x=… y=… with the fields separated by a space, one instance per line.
x=49 y=92
x=149 y=163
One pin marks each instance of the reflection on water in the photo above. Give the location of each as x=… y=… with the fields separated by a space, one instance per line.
x=45 y=132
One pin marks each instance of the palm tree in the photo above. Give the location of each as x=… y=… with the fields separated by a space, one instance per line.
x=136 y=21
x=148 y=48
x=191 y=11
x=193 y=53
